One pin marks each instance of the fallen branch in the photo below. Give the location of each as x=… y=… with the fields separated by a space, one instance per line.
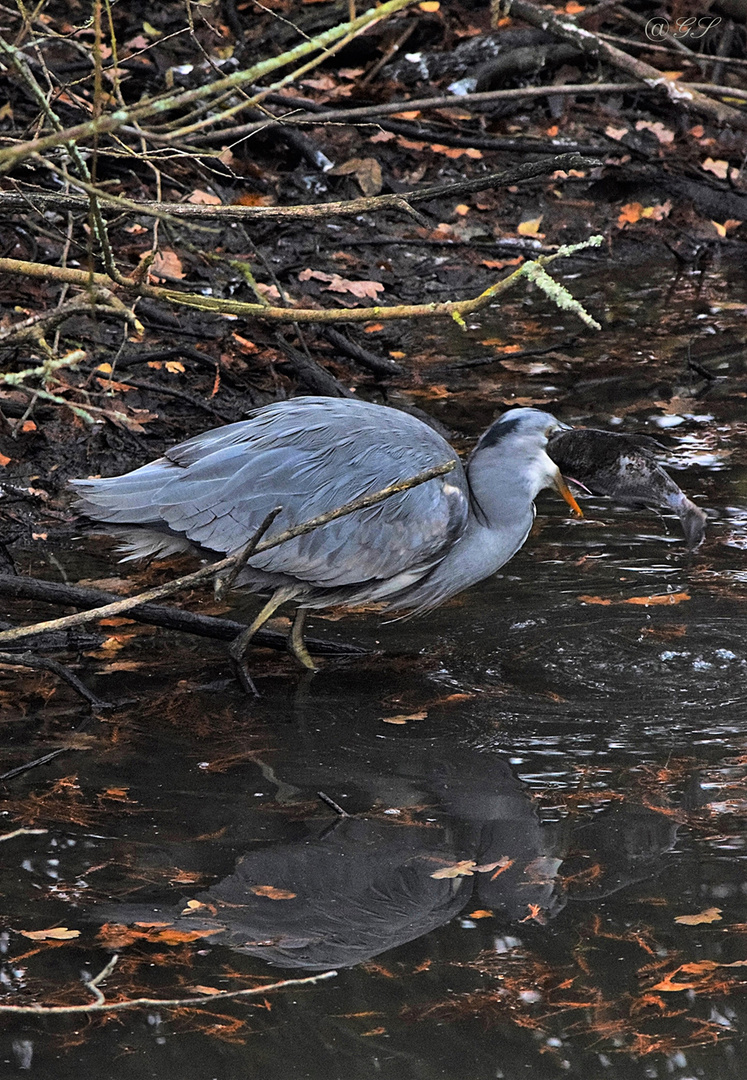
x=453 y=309
x=366 y=113
x=120 y=607
x=679 y=94
x=45 y=663
x=186 y=622
x=156 y=1003
x=347 y=208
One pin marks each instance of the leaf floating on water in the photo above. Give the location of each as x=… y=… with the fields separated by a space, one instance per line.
x=272 y=893
x=55 y=933
x=405 y=718
x=641 y=601
x=711 y=914
x=700 y=967
x=465 y=868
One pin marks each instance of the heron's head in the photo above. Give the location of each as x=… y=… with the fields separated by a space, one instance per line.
x=516 y=443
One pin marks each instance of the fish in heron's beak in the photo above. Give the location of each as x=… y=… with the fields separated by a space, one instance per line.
x=565 y=491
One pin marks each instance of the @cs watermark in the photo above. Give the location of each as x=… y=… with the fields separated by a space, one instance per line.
x=659 y=27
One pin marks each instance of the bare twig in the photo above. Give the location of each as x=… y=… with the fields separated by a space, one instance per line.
x=45 y=663
x=22 y=832
x=158 y=1003
x=188 y=580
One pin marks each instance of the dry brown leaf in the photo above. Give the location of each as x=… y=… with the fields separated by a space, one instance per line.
x=719 y=167
x=367 y=172
x=615 y=132
x=361 y=289
x=204 y=990
x=5 y=460
x=711 y=914
x=55 y=933
x=204 y=198
x=382 y=136
x=166 y=266
x=662 y=133
x=272 y=893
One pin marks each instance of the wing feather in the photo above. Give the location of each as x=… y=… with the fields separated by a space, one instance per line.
x=308 y=455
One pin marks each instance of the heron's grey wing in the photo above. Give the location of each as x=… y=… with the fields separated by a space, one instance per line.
x=625 y=468
x=309 y=456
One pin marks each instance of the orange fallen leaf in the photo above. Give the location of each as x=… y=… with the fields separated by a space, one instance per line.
x=272 y=893
x=462 y=209
x=5 y=460
x=701 y=967
x=55 y=933
x=429 y=5
x=455 y=152
x=629 y=214
x=166 y=264
x=499 y=264
x=711 y=914
x=204 y=990
x=373 y=328
x=641 y=601
x=572 y=8
x=480 y=914
x=665 y=598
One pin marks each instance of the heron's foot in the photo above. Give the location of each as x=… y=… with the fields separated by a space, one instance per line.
x=240 y=644
x=296 y=643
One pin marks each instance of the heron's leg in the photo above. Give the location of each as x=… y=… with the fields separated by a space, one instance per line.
x=240 y=644
x=296 y=643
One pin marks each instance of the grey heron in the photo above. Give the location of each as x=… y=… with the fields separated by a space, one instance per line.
x=314 y=454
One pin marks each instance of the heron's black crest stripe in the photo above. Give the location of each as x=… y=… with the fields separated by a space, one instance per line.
x=498 y=431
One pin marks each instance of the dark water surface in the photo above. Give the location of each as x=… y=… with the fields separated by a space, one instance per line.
x=578 y=752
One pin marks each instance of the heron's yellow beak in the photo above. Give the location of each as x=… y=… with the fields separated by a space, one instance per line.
x=564 y=490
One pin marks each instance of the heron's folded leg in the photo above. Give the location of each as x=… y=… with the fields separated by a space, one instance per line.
x=296 y=643
x=240 y=644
